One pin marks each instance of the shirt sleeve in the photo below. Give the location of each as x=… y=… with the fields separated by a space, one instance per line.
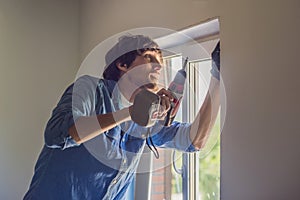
x=176 y=136
x=78 y=100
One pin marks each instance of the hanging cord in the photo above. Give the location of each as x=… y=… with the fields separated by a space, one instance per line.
x=151 y=144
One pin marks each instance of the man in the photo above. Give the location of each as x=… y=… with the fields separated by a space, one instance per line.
x=92 y=147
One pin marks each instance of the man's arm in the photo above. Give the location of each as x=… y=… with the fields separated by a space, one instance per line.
x=207 y=115
x=86 y=128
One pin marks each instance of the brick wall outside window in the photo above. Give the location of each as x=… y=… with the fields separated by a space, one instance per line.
x=161 y=177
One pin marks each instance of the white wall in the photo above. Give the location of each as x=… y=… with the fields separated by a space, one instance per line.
x=260 y=45
x=38 y=59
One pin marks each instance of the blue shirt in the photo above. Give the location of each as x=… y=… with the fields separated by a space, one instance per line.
x=103 y=167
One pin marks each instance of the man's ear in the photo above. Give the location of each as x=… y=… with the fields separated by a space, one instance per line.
x=122 y=67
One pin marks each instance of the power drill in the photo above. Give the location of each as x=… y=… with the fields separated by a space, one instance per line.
x=176 y=87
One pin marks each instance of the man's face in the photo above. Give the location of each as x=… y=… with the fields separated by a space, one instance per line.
x=145 y=69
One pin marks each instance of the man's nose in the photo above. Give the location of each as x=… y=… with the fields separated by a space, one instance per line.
x=157 y=61
x=156 y=65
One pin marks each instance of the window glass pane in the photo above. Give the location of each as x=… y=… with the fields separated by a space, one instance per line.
x=162 y=178
x=209 y=157
x=175 y=64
